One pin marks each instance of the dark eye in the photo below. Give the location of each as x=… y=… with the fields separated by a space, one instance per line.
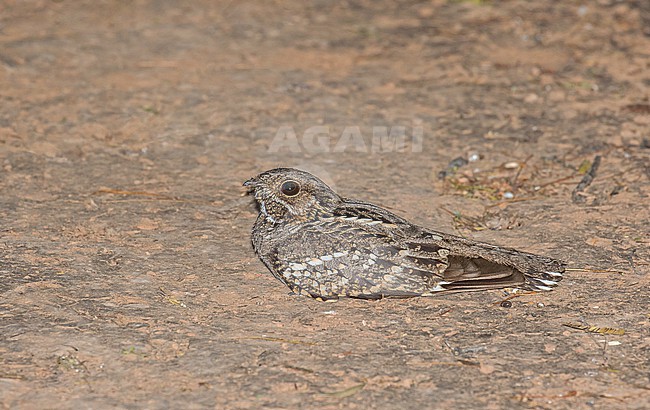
x=290 y=188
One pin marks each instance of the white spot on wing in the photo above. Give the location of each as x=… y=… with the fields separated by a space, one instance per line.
x=315 y=262
x=438 y=288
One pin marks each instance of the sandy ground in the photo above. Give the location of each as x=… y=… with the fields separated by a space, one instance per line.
x=127 y=278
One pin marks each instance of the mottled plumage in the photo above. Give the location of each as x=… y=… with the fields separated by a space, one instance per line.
x=326 y=246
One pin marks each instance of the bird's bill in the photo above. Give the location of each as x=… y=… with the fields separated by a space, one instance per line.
x=253 y=182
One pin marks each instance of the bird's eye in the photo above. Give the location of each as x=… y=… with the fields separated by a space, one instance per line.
x=290 y=188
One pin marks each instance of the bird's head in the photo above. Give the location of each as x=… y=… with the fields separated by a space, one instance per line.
x=287 y=193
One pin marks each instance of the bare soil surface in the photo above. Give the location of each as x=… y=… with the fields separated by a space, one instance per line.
x=127 y=279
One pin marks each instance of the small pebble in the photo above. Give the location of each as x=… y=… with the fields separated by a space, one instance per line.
x=540 y=305
x=531 y=98
x=506 y=304
x=582 y=10
x=508 y=195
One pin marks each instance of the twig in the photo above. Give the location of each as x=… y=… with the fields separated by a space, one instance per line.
x=152 y=196
x=279 y=340
x=452 y=167
x=577 y=196
x=555 y=181
x=463 y=220
x=521 y=168
x=511 y=201
x=595 y=329
x=528 y=397
x=516 y=295
x=132 y=193
x=593 y=270
x=350 y=391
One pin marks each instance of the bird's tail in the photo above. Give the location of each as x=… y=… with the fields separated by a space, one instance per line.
x=477 y=266
x=541 y=273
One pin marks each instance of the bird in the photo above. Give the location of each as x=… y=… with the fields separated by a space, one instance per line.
x=326 y=246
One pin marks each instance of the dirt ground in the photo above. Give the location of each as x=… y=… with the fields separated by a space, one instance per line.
x=127 y=278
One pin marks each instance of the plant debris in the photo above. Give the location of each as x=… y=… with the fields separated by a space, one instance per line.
x=452 y=167
x=590 y=174
x=350 y=391
x=595 y=329
x=280 y=340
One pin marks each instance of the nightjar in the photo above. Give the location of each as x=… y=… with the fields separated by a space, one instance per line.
x=326 y=246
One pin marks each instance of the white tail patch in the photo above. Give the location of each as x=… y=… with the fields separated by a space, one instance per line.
x=547 y=282
x=555 y=274
x=439 y=287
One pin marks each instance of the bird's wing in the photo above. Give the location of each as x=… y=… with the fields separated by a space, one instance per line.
x=360 y=209
x=476 y=266
x=462 y=264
